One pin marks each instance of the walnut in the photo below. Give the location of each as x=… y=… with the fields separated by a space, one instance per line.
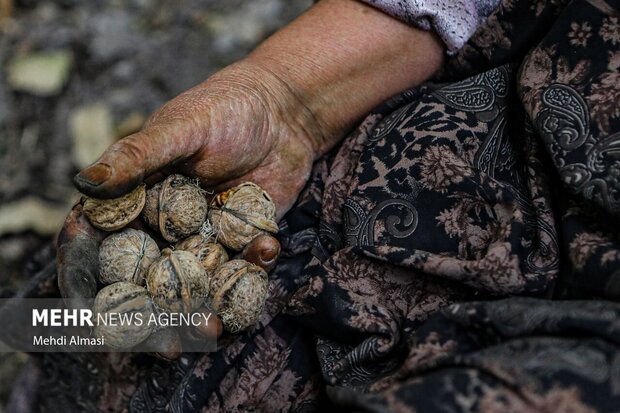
x=125 y=256
x=241 y=214
x=177 y=282
x=114 y=214
x=210 y=253
x=238 y=293
x=175 y=207
x=127 y=299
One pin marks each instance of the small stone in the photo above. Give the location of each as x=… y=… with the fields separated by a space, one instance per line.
x=6 y=9
x=245 y=26
x=32 y=213
x=113 y=35
x=6 y=104
x=92 y=131
x=40 y=73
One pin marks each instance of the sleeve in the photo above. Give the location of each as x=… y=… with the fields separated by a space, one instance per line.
x=454 y=21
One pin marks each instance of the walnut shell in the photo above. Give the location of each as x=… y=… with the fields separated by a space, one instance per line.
x=125 y=256
x=210 y=253
x=175 y=207
x=177 y=282
x=132 y=301
x=241 y=214
x=238 y=293
x=114 y=214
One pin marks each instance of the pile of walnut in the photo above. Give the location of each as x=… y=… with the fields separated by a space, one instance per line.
x=195 y=270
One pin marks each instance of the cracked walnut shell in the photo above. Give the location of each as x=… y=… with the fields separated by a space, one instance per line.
x=238 y=293
x=127 y=299
x=210 y=253
x=125 y=256
x=177 y=282
x=176 y=207
x=241 y=214
x=114 y=214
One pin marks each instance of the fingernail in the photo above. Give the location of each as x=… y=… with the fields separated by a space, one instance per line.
x=213 y=328
x=270 y=250
x=94 y=175
x=269 y=254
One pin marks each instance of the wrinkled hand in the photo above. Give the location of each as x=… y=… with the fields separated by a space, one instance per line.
x=264 y=119
x=240 y=125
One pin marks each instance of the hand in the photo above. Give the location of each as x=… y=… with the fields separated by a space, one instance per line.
x=264 y=119
x=242 y=124
x=268 y=117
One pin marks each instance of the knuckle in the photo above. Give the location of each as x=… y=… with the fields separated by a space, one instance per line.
x=131 y=148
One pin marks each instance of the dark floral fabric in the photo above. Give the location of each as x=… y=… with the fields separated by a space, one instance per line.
x=458 y=252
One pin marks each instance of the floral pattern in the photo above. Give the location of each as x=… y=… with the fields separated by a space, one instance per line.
x=579 y=34
x=610 y=30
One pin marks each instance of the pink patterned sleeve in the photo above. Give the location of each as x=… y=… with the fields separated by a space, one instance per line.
x=453 y=20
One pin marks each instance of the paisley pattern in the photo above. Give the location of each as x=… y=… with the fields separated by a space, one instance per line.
x=458 y=252
x=359 y=226
x=564 y=118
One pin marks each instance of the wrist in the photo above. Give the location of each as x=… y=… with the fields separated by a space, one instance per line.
x=341 y=59
x=299 y=108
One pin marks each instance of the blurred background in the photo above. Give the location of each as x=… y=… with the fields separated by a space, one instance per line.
x=76 y=75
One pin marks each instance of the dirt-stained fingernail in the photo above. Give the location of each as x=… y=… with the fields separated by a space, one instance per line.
x=269 y=254
x=94 y=175
x=262 y=251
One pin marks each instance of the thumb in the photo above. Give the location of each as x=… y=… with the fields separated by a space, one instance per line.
x=126 y=163
x=263 y=251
